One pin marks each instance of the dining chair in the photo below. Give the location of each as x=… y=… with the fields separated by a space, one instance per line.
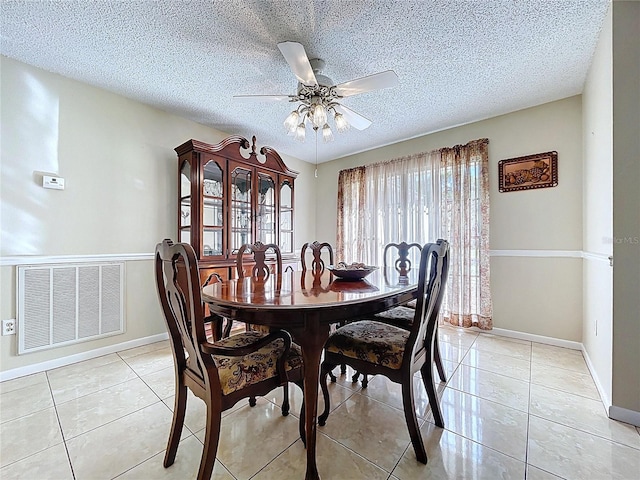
x=317 y=264
x=403 y=315
x=373 y=347
x=261 y=270
x=220 y=373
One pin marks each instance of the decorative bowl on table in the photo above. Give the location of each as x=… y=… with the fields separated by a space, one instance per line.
x=355 y=271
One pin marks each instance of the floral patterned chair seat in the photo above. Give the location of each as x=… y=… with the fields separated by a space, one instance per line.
x=371 y=341
x=238 y=372
x=399 y=316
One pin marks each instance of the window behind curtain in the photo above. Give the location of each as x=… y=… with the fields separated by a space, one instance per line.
x=420 y=198
x=394 y=202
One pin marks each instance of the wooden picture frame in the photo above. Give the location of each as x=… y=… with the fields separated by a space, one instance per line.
x=525 y=173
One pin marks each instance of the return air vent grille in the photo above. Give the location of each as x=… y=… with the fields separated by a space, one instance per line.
x=65 y=304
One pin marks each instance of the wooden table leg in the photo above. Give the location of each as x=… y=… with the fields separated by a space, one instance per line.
x=312 y=340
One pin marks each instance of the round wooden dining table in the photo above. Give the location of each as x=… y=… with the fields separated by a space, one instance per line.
x=306 y=304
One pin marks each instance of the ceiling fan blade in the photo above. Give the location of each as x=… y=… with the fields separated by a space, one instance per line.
x=376 y=81
x=267 y=98
x=297 y=59
x=355 y=119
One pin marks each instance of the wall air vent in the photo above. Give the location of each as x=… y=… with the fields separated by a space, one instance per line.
x=68 y=303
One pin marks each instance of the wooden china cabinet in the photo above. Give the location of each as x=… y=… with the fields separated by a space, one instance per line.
x=230 y=195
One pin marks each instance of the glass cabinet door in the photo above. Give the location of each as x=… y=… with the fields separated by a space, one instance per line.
x=185 y=203
x=286 y=217
x=240 y=208
x=212 y=210
x=229 y=196
x=266 y=209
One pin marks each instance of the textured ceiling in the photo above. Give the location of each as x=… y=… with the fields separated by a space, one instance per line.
x=457 y=61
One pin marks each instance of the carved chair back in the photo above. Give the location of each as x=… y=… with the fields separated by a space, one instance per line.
x=432 y=279
x=317 y=264
x=402 y=262
x=178 y=285
x=259 y=250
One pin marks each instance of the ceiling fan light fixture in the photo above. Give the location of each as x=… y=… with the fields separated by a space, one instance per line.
x=301 y=132
x=341 y=123
x=291 y=122
x=319 y=115
x=327 y=134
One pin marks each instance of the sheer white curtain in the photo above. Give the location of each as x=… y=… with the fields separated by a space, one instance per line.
x=420 y=198
x=400 y=201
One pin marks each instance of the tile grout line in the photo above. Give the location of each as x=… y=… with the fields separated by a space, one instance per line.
x=64 y=439
x=526 y=450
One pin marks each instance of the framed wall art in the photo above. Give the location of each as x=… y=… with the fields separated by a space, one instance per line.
x=525 y=173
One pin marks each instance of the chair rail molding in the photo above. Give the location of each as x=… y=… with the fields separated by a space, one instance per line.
x=87 y=258
x=537 y=253
x=604 y=257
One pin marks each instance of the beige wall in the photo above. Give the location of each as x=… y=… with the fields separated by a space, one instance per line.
x=116 y=156
x=548 y=220
x=597 y=113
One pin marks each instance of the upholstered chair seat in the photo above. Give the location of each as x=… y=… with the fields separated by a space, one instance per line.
x=399 y=316
x=238 y=372
x=371 y=341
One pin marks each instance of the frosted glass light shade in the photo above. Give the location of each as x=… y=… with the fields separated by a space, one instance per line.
x=327 y=134
x=291 y=122
x=341 y=123
x=319 y=115
x=301 y=132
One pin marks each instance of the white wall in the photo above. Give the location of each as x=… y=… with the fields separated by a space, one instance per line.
x=116 y=156
x=597 y=119
x=537 y=279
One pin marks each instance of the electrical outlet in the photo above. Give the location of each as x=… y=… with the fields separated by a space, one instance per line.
x=9 y=327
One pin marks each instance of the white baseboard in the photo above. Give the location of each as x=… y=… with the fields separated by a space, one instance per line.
x=79 y=357
x=624 y=415
x=604 y=395
x=615 y=413
x=556 y=342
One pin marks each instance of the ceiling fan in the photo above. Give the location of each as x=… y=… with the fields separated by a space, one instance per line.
x=318 y=96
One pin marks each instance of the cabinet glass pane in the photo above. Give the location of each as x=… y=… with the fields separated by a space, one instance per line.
x=286 y=220
x=212 y=209
x=286 y=242
x=212 y=184
x=240 y=208
x=266 y=209
x=185 y=236
x=286 y=197
x=185 y=180
x=286 y=217
x=211 y=242
x=185 y=212
x=238 y=239
x=241 y=185
x=212 y=215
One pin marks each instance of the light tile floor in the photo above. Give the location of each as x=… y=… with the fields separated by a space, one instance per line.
x=513 y=409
